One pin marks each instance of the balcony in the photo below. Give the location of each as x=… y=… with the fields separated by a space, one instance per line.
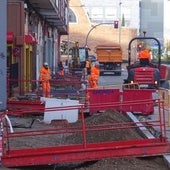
x=53 y=14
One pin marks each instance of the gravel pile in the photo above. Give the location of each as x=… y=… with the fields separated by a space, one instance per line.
x=108 y=117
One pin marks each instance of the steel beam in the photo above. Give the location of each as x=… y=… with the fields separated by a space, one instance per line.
x=81 y=153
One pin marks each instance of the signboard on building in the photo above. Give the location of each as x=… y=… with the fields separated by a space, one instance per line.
x=17 y=52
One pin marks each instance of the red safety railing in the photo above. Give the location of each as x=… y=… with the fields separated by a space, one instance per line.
x=61 y=86
x=89 y=138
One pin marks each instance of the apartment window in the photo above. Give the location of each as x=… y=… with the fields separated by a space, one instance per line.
x=72 y=16
x=110 y=13
x=97 y=13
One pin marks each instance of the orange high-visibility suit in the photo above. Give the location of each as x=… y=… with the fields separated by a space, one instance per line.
x=61 y=72
x=94 y=77
x=45 y=76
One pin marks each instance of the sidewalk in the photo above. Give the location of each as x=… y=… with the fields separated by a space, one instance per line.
x=167 y=121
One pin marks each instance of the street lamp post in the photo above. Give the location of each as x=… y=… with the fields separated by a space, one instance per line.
x=87 y=36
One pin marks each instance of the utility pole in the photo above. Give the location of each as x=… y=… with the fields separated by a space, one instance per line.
x=3 y=56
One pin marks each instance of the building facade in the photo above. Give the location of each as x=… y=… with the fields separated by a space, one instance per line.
x=166 y=21
x=109 y=11
x=34 y=29
x=3 y=54
x=152 y=18
x=84 y=30
x=149 y=15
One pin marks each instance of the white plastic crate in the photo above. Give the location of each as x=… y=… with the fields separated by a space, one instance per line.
x=69 y=115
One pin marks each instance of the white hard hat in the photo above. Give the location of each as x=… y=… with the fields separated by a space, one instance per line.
x=96 y=63
x=45 y=64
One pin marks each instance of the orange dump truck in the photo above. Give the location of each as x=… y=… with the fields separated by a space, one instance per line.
x=110 y=58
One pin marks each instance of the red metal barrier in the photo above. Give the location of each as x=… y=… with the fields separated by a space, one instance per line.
x=140 y=101
x=1 y=147
x=164 y=70
x=61 y=86
x=62 y=150
x=18 y=107
x=143 y=77
x=101 y=97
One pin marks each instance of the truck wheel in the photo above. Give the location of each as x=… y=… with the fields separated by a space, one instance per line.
x=118 y=73
x=101 y=73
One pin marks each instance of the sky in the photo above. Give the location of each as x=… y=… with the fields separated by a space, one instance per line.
x=166 y=19
x=124 y=2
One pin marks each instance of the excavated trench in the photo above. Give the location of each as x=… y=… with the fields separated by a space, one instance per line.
x=107 y=117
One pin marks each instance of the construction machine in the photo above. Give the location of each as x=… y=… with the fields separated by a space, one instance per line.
x=78 y=57
x=75 y=55
x=149 y=76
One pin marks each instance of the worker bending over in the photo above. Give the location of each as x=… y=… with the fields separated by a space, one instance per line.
x=94 y=76
x=88 y=67
x=45 y=76
x=60 y=69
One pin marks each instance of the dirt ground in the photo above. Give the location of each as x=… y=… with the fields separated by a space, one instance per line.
x=110 y=116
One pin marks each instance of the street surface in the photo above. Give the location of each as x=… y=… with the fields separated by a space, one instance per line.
x=111 y=79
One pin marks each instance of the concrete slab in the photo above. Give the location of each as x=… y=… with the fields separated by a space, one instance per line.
x=144 y=130
x=148 y=134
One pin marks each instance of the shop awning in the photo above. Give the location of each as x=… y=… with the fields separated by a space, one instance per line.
x=10 y=37
x=29 y=39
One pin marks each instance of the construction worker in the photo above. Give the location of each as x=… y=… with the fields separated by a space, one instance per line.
x=145 y=56
x=94 y=76
x=88 y=67
x=45 y=76
x=61 y=69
